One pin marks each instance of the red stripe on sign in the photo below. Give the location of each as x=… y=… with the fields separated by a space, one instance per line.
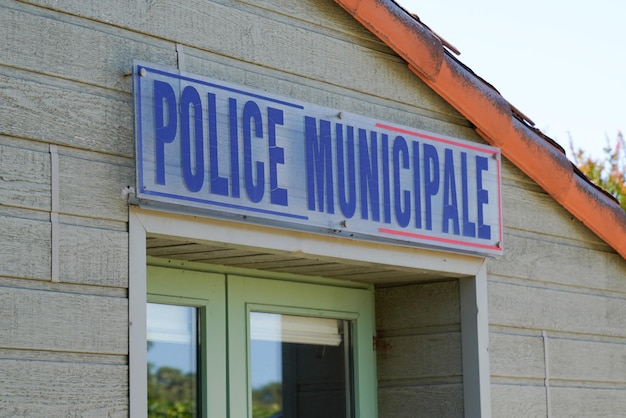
x=444 y=240
x=436 y=138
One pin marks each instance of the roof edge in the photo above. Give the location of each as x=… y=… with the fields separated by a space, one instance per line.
x=493 y=117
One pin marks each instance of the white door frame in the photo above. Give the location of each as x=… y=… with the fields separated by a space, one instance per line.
x=473 y=286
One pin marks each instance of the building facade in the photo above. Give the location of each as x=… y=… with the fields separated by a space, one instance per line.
x=526 y=322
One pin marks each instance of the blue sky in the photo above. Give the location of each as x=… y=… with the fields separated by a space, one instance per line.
x=562 y=63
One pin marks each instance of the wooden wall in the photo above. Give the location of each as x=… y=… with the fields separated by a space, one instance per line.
x=418 y=350
x=63 y=335
x=557 y=304
x=64 y=81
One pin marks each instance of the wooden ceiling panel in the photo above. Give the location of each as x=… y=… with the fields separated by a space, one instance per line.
x=257 y=258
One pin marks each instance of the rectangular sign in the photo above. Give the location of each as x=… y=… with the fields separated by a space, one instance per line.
x=238 y=153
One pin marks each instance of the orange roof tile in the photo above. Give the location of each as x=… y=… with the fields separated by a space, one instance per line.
x=495 y=119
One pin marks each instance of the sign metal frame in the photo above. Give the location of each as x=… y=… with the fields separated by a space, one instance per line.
x=217 y=149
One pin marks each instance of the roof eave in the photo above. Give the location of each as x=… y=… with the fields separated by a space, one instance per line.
x=493 y=117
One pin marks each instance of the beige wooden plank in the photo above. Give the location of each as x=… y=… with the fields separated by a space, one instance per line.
x=519 y=356
x=93 y=256
x=65 y=116
x=285 y=263
x=518 y=401
x=22 y=143
x=587 y=402
x=52 y=356
x=419 y=356
x=514 y=177
x=99 y=223
x=62 y=389
x=428 y=401
x=25 y=249
x=318 y=268
x=356 y=269
x=180 y=248
x=550 y=260
x=47 y=285
x=319 y=15
x=242 y=259
x=22 y=213
x=415 y=306
x=158 y=242
x=44 y=320
x=266 y=39
x=44 y=43
x=392 y=277
x=94 y=189
x=225 y=256
x=591 y=361
x=533 y=307
x=520 y=209
x=24 y=178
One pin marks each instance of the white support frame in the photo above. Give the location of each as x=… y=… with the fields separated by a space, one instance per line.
x=475 y=345
x=137 y=299
x=473 y=287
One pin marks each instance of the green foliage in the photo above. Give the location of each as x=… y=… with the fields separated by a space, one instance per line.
x=608 y=172
x=171 y=394
x=267 y=400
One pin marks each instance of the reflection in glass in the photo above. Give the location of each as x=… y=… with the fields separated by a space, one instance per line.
x=172 y=361
x=300 y=366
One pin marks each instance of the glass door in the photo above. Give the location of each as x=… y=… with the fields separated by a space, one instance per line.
x=300 y=366
x=172 y=360
x=247 y=347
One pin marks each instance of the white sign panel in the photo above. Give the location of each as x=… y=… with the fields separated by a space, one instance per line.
x=234 y=152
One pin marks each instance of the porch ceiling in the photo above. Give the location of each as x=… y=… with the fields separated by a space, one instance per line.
x=301 y=264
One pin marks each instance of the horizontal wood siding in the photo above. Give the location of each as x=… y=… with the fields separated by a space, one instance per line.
x=25 y=249
x=81 y=196
x=24 y=177
x=518 y=400
x=557 y=303
x=57 y=321
x=64 y=80
x=93 y=256
x=43 y=388
x=55 y=111
x=419 y=350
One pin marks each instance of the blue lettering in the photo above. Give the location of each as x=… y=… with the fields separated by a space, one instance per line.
x=190 y=99
x=319 y=164
x=450 y=206
x=219 y=185
x=368 y=164
x=386 y=180
x=417 y=185
x=431 y=181
x=469 y=228
x=347 y=204
x=164 y=101
x=235 y=190
x=252 y=113
x=278 y=195
x=482 y=197
x=401 y=152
